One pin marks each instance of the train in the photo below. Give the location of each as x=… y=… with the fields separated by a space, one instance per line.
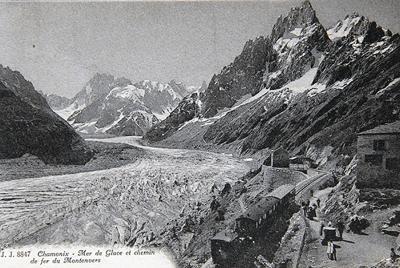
x=227 y=244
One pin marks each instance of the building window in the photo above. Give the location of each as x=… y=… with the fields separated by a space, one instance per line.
x=393 y=164
x=379 y=145
x=374 y=159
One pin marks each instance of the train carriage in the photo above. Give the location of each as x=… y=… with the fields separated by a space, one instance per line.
x=285 y=193
x=256 y=217
x=226 y=245
x=223 y=247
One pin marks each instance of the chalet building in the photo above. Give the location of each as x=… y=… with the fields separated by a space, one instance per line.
x=301 y=163
x=280 y=158
x=380 y=146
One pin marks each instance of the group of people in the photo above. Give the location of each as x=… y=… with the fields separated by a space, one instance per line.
x=310 y=211
x=328 y=232
x=356 y=225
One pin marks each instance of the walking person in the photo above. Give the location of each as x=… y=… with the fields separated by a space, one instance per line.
x=321 y=228
x=393 y=255
x=340 y=226
x=318 y=202
x=304 y=206
x=331 y=250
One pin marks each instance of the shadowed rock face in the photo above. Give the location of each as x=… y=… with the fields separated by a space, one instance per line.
x=28 y=125
x=187 y=109
x=242 y=77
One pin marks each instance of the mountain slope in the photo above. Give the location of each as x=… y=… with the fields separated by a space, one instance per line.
x=28 y=125
x=319 y=88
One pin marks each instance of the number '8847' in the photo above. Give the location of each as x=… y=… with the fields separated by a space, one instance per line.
x=11 y=254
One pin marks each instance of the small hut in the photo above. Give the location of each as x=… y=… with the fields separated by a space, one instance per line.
x=280 y=158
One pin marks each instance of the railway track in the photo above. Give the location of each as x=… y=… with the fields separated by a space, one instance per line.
x=302 y=186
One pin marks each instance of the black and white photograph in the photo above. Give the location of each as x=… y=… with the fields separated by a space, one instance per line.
x=200 y=134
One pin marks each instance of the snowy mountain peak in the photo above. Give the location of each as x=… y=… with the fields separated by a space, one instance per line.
x=298 y=17
x=129 y=92
x=118 y=106
x=358 y=27
x=298 y=40
x=351 y=23
x=299 y=61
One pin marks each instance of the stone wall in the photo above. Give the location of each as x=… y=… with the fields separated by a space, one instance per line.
x=292 y=242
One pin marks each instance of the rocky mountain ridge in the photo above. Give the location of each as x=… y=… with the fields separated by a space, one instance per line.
x=312 y=90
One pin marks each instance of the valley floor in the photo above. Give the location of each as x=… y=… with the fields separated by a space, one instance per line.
x=125 y=204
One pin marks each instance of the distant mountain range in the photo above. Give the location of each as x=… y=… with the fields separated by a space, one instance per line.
x=118 y=106
x=28 y=125
x=304 y=88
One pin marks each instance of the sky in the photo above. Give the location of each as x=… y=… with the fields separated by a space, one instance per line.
x=60 y=46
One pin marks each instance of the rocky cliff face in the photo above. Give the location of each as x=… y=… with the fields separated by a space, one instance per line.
x=317 y=90
x=28 y=125
x=238 y=79
x=118 y=106
x=187 y=109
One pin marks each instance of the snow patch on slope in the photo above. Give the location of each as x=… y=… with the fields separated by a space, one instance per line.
x=129 y=92
x=304 y=83
x=342 y=28
x=297 y=31
x=388 y=87
x=68 y=111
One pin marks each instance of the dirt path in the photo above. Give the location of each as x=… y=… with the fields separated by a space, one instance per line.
x=151 y=191
x=354 y=251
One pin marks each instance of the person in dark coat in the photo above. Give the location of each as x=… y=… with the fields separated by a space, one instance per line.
x=393 y=255
x=340 y=226
x=226 y=190
x=321 y=228
x=214 y=204
x=318 y=202
x=304 y=206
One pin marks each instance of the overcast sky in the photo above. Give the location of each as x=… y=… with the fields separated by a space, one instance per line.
x=59 y=46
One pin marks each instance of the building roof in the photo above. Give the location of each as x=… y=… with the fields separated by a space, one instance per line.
x=225 y=235
x=281 y=191
x=280 y=150
x=258 y=210
x=390 y=128
x=300 y=159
